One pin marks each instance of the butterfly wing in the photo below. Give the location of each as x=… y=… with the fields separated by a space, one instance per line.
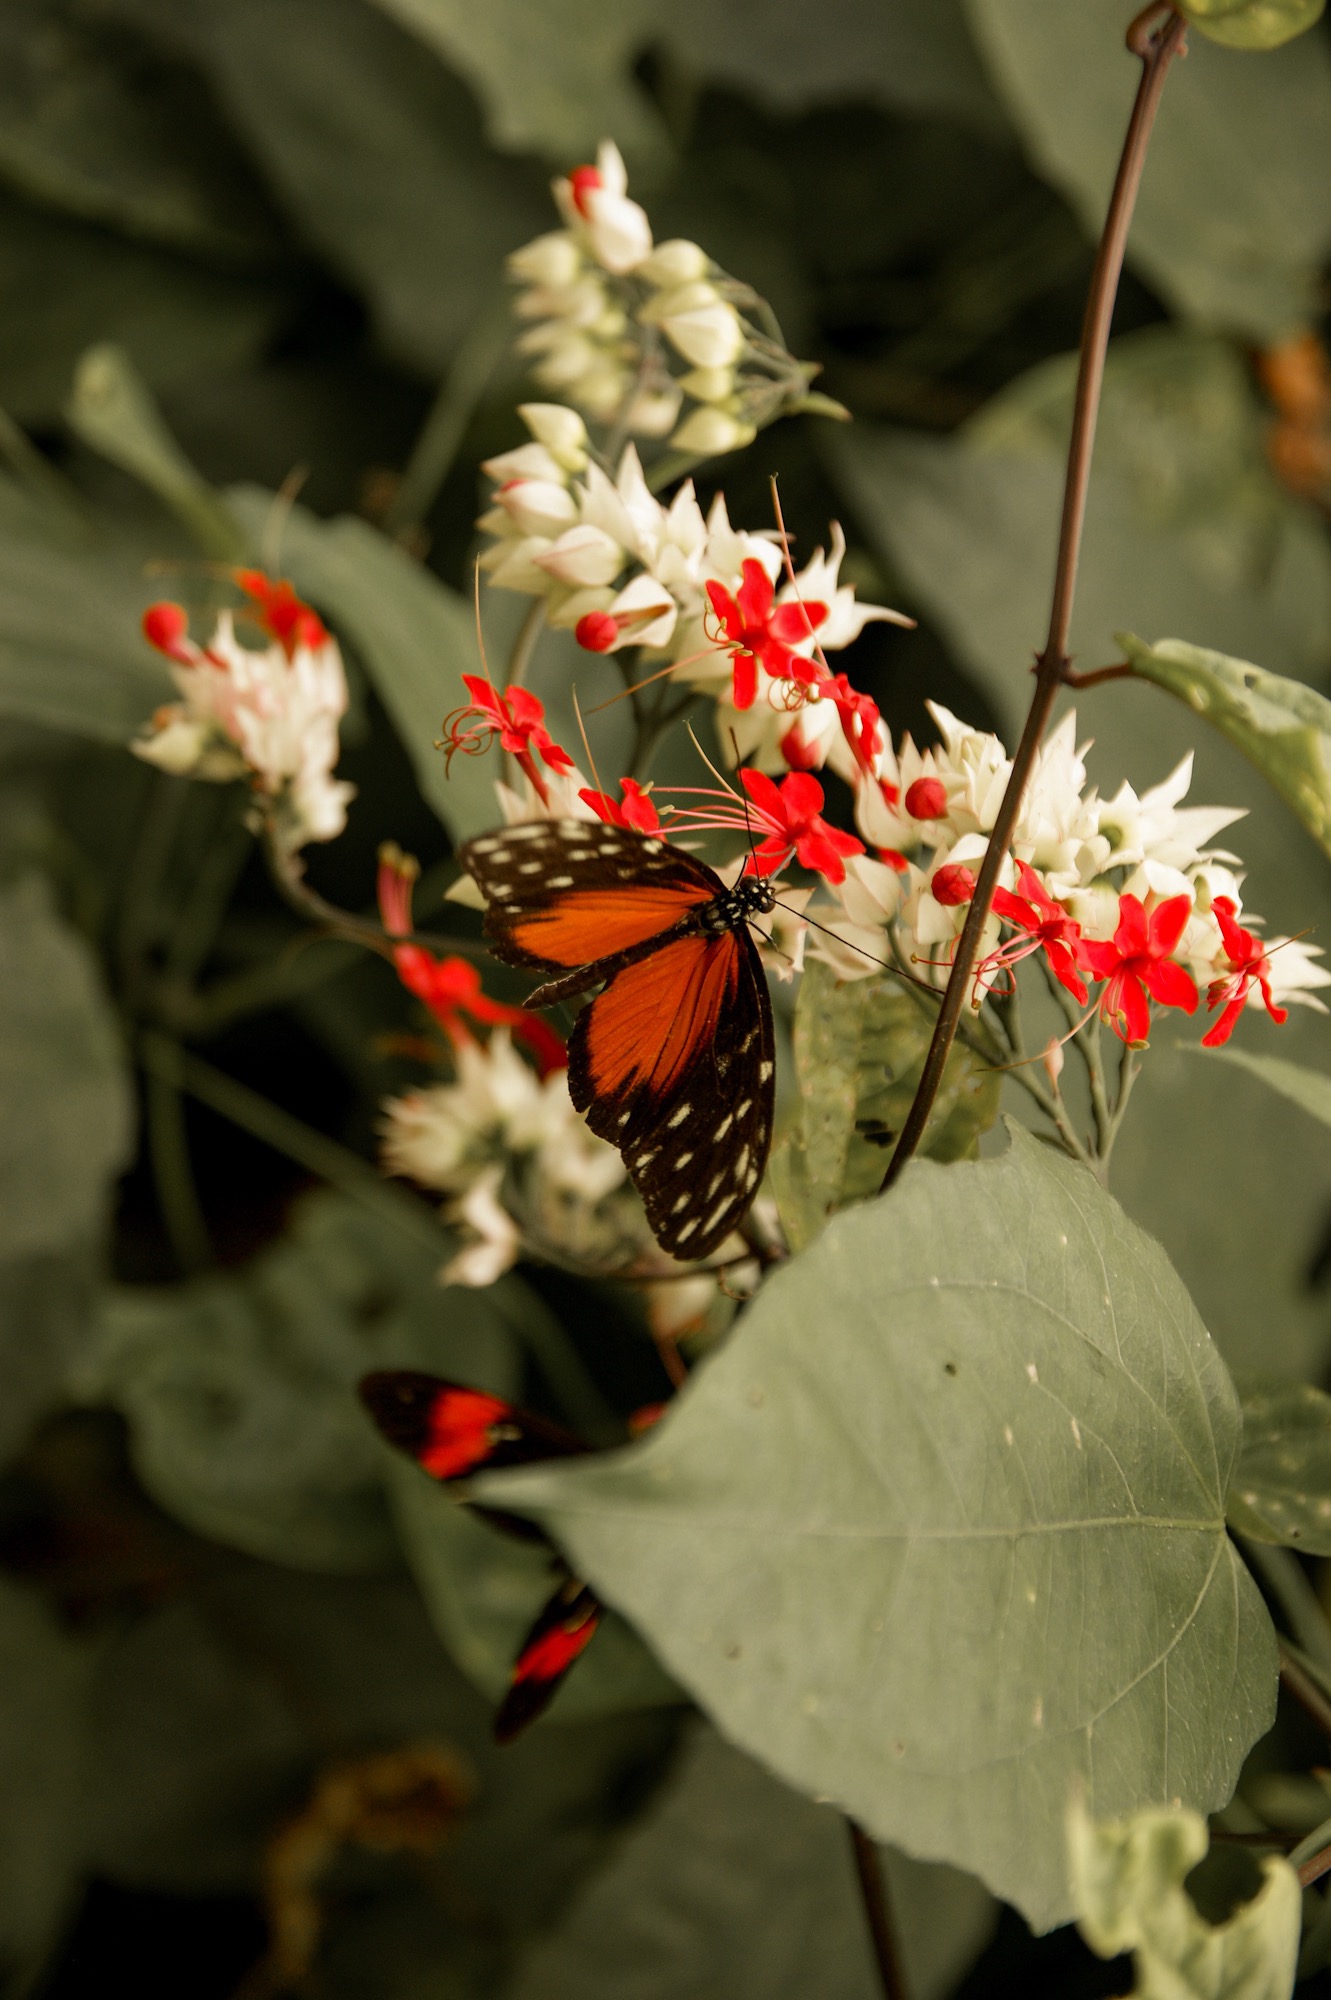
x=569 y=893
x=674 y=1064
x=564 y=1628
x=452 y=1431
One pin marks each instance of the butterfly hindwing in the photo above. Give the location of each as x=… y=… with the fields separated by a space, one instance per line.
x=566 y=893
x=674 y=1064
x=562 y=1631
x=452 y=1431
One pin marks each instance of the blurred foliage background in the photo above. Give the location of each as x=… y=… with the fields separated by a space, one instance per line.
x=250 y=243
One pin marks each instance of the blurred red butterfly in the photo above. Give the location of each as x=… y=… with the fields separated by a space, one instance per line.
x=451 y=1431
x=673 y=1060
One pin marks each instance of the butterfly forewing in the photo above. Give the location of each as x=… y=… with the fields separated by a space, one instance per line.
x=452 y=1431
x=673 y=1063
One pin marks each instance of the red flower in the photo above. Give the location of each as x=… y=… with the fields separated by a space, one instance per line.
x=1048 y=928
x=166 y=626
x=637 y=810
x=754 y=629
x=791 y=816
x=516 y=717
x=276 y=607
x=860 y=719
x=1136 y=962
x=1249 y=966
x=451 y=987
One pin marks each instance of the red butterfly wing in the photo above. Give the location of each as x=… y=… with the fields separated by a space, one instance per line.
x=452 y=1431
x=561 y=1633
x=674 y=1064
x=563 y=894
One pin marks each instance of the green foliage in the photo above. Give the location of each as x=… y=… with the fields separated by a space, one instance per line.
x=1229 y=235
x=733 y=1888
x=240 y=1391
x=942 y=1527
x=1253 y=24
x=1281 y=726
x=1131 y=1896
x=1282 y=1484
x=44 y=1676
x=859 y=1047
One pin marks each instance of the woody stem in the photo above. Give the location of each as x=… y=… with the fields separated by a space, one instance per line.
x=1156 y=36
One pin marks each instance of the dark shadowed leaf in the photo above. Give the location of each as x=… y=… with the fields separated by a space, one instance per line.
x=940 y=1533
x=1281 y=726
x=44 y=1677
x=732 y=1887
x=1281 y=1490
x=240 y=1389
x=859 y=1047
x=1234 y=214
x=415 y=636
x=555 y=76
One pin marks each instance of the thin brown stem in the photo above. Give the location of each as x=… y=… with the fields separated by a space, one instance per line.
x=877 y=1913
x=1157 y=48
x=1300 y=1685
x=1122 y=672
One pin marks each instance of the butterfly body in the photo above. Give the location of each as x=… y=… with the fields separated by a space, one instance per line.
x=673 y=1062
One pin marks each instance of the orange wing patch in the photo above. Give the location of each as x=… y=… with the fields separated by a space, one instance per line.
x=645 y=1031
x=586 y=924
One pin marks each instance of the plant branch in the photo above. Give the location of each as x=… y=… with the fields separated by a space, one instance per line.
x=1157 y=37
x=877 y=1913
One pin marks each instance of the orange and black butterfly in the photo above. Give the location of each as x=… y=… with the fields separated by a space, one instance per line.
x=673 y=1061
x=451 y=1432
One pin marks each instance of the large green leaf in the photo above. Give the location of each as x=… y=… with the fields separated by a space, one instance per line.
x=940 y=1532
x=1307 y=1088
x=483 y=1590
x=1132 y=1896
x=240 y=1390
x=67 y=1124
x=555 y=75
x=1186 y=532
x=1281 y=1490
x=415 y=636
x=1234 y=214
x=1282 y=726
x=859 y=1048
x=375 y=149
x=1253 y=24
x=732 y=1887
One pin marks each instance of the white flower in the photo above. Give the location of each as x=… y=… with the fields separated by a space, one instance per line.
x=582 y=555
x=677 y=262
x=594 y=203
x=817 y=583
x=495 y=1239
x=710 y=432
x=537 y=506
x=698 y=323
x=552 y=260
x=560 y=430
x=262 y=711
x=1293 y=974
x=1150 y=832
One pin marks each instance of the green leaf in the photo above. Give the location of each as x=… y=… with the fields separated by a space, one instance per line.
x=1252 y=24
x=112 y=409
x=1234 y=215
x=44 y=1677
x=67 y=1125
x=555 y=75
x=859 y=1048
x=49 y=1307
x=377 y=153
x=415 y=636
x=240 y=1390
x=1281 y=726
x=731 y=1887
x=940 y=1531
x=1282 y=1484
x=1307 y=1088
x=1129 y=1882
x=1186 y=531
x=483 y=1591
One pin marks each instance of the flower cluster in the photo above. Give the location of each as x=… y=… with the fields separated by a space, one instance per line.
x=631 y=331
x=268 y=713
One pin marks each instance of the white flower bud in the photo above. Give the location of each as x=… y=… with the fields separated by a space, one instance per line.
x=548 y=260
x=537 y=506
x=653 y=412
x=708 y=385
x=584 y=556
x=697 y=321
x=710 y=432
x=560 y=430
x=678 y=262
x=525 y=461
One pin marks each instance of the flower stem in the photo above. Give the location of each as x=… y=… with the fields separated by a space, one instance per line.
x=878 y=1913
x=1156 y=36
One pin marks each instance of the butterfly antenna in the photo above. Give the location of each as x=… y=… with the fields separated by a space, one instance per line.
x=748 y=824
x=582 y=731
x=784 y=540
x=885 y=964
x=274 y=528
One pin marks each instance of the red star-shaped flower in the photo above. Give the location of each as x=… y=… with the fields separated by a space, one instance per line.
x=1249 y=965
x=756 y=630
x=1137 y=962
x=790 y=817
x=1048 y=928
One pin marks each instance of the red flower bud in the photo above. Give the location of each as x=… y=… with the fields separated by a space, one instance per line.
x=953 y=883
x=582 y=182
x=927 y=799
x=164 y=626
x=596 y=631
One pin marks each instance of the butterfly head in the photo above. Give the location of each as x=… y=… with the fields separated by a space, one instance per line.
x=752 y=896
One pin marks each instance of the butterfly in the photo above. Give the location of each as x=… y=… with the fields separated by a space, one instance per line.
x=673 y=1062
x=451 y=1431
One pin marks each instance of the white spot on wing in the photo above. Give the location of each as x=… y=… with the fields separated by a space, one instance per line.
x=679 y=1114
x=560 y=882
